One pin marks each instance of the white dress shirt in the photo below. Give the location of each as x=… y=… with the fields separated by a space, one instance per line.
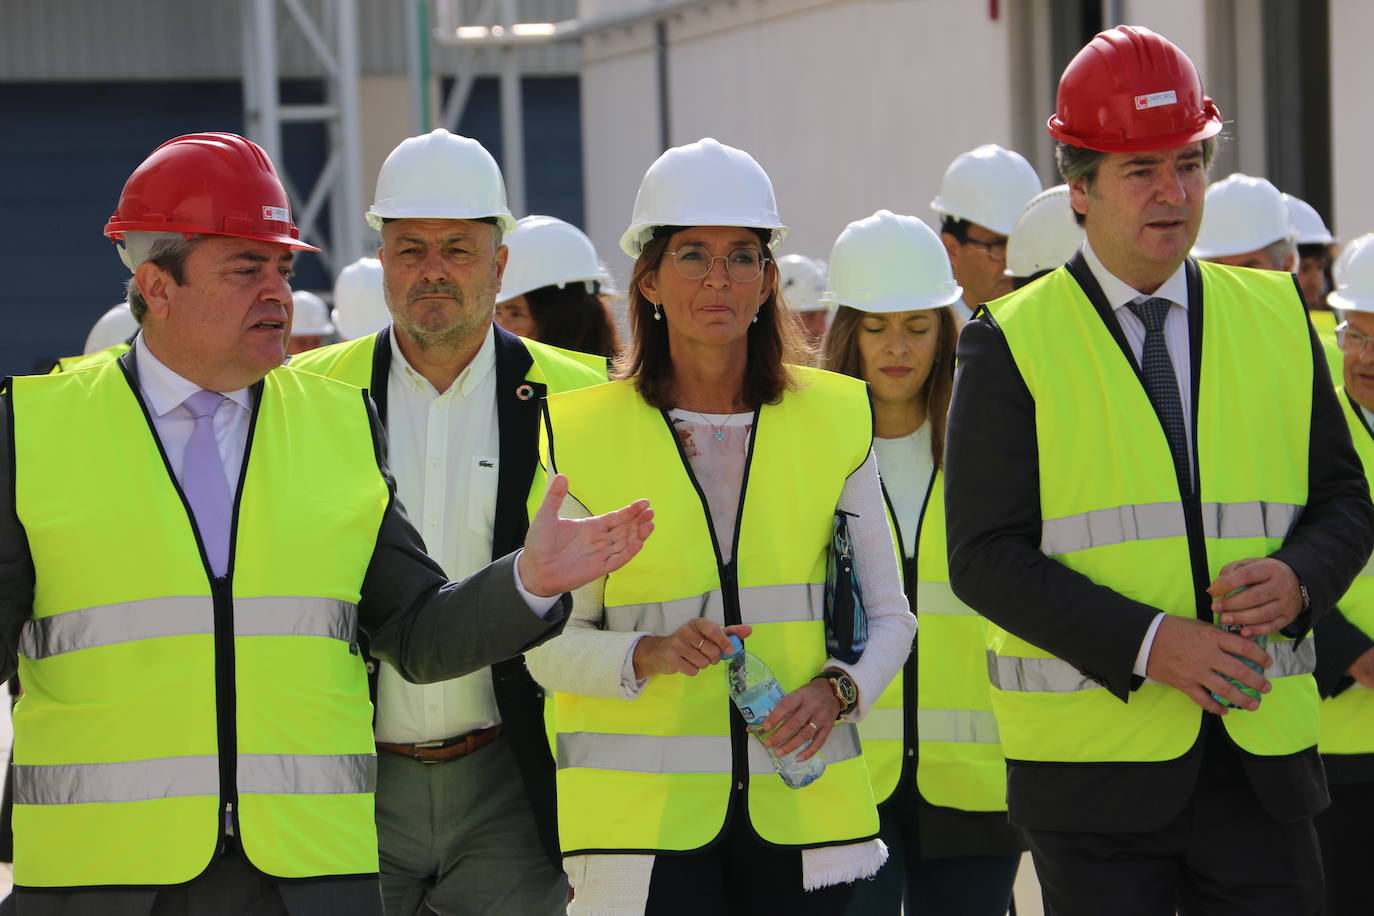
x=1119 y=295
x=444 y=450
x=164 y=392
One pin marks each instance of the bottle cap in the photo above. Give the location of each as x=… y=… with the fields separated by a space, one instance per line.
x=736 y=647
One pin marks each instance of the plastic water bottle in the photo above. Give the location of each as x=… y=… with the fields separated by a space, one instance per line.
x=1261 y=641
x=755 y=692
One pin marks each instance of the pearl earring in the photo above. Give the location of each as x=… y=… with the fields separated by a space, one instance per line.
x=658 y=315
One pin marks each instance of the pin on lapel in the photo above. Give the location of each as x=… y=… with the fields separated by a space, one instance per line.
x=525 y=392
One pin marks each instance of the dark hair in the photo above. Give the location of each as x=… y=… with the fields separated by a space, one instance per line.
x=1078 y=163
x=774 y=340
x=842 y=355
x=573 y=318
x=955 y=226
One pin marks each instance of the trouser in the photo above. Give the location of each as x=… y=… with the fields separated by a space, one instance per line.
x=459 y=838
x=738 y=876
x=1343 y=830
x=966 y=885
x=1224 y=855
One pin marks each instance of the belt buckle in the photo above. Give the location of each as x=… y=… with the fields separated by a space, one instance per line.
x=424 y=745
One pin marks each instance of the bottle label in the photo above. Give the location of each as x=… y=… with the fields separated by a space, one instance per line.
x=758 y=701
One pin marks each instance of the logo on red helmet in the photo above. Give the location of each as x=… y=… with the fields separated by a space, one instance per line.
x=1156 y=99
x=279 y=214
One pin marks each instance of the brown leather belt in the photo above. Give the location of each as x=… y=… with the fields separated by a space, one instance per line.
x=443 y=751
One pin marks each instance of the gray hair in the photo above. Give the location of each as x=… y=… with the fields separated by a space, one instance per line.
x=170 y=253
x=1284 y=251
x=1080 y=164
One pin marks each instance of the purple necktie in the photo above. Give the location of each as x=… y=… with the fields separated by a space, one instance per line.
x=203 y=480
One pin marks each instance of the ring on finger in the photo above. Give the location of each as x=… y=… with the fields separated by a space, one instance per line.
x=814 y=725
x=702 y=643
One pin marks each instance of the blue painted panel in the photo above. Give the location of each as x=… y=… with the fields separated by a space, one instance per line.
x=553 y=139
x=66 y=150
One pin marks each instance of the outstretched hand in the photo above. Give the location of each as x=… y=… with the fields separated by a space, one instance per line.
x=562 y=554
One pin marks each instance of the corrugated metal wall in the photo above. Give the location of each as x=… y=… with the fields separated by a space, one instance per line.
x=83 y=40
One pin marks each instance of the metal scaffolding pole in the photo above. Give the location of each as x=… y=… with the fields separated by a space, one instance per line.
x=512 y=119
x=331 y=32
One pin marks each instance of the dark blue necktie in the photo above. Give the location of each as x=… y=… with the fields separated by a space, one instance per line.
x=1162 y=385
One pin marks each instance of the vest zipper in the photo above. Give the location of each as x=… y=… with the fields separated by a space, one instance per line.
x=911 y=668
x=728 y=576
x=222 y=602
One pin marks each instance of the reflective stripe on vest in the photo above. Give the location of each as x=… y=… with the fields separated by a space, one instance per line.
x=119 y=765
x=173 y=777
x=683 y=753
x=773 y=603
x=1347 y=719
x=152 y=618
x=655 y=774
x=1117 y=525
x=1053 y=675
x=1113 y=513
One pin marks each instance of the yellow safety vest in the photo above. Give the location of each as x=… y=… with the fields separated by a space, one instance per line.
x=1325 y=324
x=160 y=702
x=1347 y=720
x=351 y=361
x=656 y=773
x=1112 y=508
x=947 y=730
x=98 y=358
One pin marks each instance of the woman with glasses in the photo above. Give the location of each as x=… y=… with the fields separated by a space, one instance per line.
x=666 y=804
x=931 y=741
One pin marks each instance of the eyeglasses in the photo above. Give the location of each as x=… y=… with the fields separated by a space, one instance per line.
x=995 y=250
x=694 y=261
x=1351 y=340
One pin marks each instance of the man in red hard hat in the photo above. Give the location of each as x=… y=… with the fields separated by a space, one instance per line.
x=192 y=538
x=1152 y=496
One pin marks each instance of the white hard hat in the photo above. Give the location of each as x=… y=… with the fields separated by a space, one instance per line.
x=360 y=299
x=988 y=185
x=1241 y=214
x=440 y=175
x=1045 y=235
x=890 y=263
x=311 y=315
x=1307 y=222
x=115 y=326
x=703 y=184
x=1355 y=289
x=1347 y=253
x=803 y=282
x=545 y=251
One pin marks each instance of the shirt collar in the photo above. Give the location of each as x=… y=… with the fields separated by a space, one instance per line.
x=1121 y=294
x=472 y=375
x=165 y=390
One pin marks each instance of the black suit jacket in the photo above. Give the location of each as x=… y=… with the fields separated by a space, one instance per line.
x=518 y=698
x=994 y=524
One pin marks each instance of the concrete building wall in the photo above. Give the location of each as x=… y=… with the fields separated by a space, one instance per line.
x=850 y=105
x=1352 y=130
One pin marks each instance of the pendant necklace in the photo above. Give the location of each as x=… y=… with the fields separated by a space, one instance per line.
x=719 y=430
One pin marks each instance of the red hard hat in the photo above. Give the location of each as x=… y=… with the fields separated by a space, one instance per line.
x=207 y=184
x=1130 y=90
